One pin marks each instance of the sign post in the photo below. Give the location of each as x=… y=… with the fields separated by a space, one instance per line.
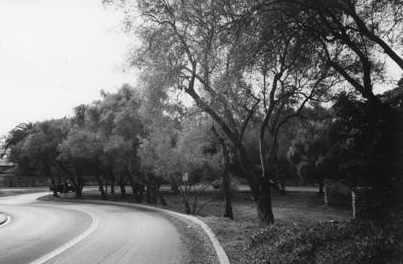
x=185 y=177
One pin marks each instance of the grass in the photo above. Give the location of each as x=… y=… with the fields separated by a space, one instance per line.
x=294 y=207
x=17 y=191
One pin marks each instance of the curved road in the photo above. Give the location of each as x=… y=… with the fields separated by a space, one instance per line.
x=46 y=232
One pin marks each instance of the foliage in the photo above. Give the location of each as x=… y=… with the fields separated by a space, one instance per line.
x=358 y=241
x=170 y=150
x=353 y=34
x=251 y=67
x=366 y=140
x=81 y=147
x=157 y=151
x=12 y=146
x=198 y=47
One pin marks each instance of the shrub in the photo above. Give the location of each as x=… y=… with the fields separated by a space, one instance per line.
x=358 y=241
x=337 y=192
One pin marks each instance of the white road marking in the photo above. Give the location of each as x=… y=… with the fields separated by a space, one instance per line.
x=69 y=244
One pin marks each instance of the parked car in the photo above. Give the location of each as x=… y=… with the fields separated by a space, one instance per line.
x=63 y=188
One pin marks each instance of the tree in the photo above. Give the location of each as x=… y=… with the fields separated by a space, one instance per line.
x=226 y=180
x=116 y=121
x=118 y=155
x=200 y=157
x=82 y=150
x=367 y=143
x=157 y=154
x=354 y=35
x=357 y=37
x=34 y=147
x=40 y=147
x=189 y=46
x=309 y=152
x=12 y=146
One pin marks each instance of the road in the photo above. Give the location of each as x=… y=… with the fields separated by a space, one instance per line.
x=46 y=232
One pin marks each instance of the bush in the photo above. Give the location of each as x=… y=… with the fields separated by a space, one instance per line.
x=337 y=192
x=358 y=241
x=367 y=203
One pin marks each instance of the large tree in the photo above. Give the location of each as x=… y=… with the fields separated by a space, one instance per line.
x=82 y=150
x=192 y=47
x=116 y=121
x=40 y=147
x=357 y=36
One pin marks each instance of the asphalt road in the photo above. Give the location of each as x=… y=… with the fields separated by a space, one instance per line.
x=45 y=232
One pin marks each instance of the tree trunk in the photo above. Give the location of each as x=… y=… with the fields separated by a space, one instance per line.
x=245 y=165
x=148 y=193
x=80 y=186
x=265 y=212
x=133 y=186
x=154 y=195
x=122 y=186
x=227 y=196
x=282 y=184
x=104 y=194
x=52 y=181
x=161 y=197
x=141 y=193
x=260 y=188
x=54 y=187
x=226 y=181
x=174 y=186
x=195 y=203
x=187 y=207
x=79 y=192
x=320 y=181
x=113 y=180
x=264 y=206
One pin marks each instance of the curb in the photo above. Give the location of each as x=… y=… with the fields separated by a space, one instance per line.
x=4 y=219
x=221 y=255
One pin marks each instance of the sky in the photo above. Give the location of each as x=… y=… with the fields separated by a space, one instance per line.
x=57 y=54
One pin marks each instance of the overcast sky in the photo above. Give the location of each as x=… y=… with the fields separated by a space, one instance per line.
x=55 y=55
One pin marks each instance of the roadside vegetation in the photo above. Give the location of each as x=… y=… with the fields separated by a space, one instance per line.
x=259 y=92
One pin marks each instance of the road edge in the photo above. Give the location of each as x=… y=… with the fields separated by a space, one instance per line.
x=4 y=219
x=220 y=252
